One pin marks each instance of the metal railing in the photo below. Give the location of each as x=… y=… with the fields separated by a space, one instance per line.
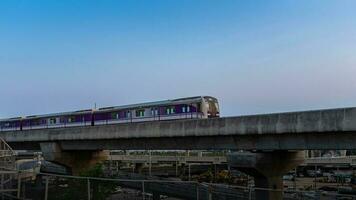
x=7 y=156
x=180 y=159
x=7 y=172
x=9 y=187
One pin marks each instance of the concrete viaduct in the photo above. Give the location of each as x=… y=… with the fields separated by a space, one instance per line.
x=274 y=140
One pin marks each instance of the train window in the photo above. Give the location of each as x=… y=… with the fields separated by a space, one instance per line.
x=52 y=120
x=154 y=111
x=114 y=115
x=127 y=114
x=140 y=113
x=170 y=110
x=71 y=119
x=185 y=109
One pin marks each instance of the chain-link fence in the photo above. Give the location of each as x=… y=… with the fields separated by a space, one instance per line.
x=56 y=187
x=61 y=187
x=83 y=188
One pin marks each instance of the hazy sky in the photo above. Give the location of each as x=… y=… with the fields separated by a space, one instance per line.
x=254 y=56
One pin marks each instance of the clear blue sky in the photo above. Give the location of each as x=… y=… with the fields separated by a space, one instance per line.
x=255 y=56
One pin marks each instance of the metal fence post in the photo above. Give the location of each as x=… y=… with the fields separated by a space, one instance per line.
x=143 y=190
x=2 y=186
x=189 y=171
x=18 y=185
x=249 y=193
x=210 y=196
x=177 y=168
x=150 y=163
x=46 y=188
x=295 y=179
x=197 y=191
x=315 y=169
x=88 y=180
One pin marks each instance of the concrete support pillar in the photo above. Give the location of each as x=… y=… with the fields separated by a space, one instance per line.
x=267 y=169
x=78 y=161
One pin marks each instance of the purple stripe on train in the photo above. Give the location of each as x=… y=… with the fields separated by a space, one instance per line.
x=122 y=114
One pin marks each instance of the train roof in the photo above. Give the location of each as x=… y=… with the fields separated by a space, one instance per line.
x=11 y=119
x=59 y=114
x=104 y=109
x=154 y=103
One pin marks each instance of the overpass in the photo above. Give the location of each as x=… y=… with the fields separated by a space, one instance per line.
x=271 y=135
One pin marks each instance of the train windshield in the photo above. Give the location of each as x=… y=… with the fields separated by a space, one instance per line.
x=213 y=109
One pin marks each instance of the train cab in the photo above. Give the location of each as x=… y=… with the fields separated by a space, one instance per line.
x=211 y=105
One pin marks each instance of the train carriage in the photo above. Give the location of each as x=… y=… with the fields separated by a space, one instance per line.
x=11 y=124
x=183 y=108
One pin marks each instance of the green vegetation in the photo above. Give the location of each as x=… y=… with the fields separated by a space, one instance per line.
x=77 y=189
x=223 y=177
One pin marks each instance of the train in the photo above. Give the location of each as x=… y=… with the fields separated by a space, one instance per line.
x=182 y=108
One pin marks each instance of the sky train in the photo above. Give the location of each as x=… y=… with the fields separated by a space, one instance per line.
x=183 y=108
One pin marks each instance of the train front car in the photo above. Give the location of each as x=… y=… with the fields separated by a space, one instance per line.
x=210 y=107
